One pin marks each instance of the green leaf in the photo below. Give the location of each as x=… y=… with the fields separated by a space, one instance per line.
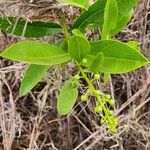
x=110 y=18
x=79 y=3
x=96 y=63
x=34 y=52
x=94 y=15
x=78 y=47
x=118 y=57
x=125 y=12
x=33 y=29
x=77 y=32
x=134 y=44
x=33 y=75
x=67 y=98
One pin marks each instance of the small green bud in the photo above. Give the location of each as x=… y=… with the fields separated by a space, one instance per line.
x=83 y=98
x=107 y=96
x=98 y=109
x=111 y=112
x=115 y=121
x=84 y=61
x=96 y=76
x=112 y=102
x=76 y=77
x=75 y=83
x=97 y=92
x=103 y=120
x=112 y=129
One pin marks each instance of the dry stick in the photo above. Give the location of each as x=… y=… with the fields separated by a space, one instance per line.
x=141 y=129
x=132 y=99
x=142 y=104
x=82 y=124
x=15 y=25
x=86 y=140
x=24 y=29
x=2 y=112
x=11 y=68
x=8 y=125
x=35 y=134
x=111 y=88
x=128 y=83
x=107 y=138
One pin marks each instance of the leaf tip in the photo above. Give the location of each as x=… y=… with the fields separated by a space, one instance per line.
x=21 y=92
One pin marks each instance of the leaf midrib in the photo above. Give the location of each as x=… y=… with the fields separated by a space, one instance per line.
x=66 y=55
x=123 y=59
x=96 y=12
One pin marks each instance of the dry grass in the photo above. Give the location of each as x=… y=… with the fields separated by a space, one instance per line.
x=32 y=122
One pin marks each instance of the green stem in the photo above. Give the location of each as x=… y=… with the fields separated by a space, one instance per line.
x=65 y=29
x=92 y=88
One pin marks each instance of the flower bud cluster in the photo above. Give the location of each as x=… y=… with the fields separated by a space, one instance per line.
x=108 y=114
x=102 y=100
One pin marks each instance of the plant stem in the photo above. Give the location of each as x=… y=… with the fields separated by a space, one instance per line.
x=92 y=88
x=65 y=29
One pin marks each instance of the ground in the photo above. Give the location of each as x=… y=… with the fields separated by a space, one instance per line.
x=32 y=122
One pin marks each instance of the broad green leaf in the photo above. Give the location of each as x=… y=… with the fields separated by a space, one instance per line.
x=78 y=47
x=34 y=52
x=33 y=75
x=79 y=3
x=110 y=18
x=62 y=44
x=94 y=15
x=118 y=57
x=96 y=63
x=33 y=29
x=67 y=98
x=125 y=12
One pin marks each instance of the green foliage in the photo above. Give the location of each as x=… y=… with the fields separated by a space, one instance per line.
x=118 y=57
x=32 y=76
x=134 y=44
x=67 y=97
x=32 y=29
x=83 y=4
x=125 y=11
x=77 y=32
x=78 y=47
x=110 y=18
x=104 y=55
x=96 y=63
x=94 y=16
x=34 y=52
